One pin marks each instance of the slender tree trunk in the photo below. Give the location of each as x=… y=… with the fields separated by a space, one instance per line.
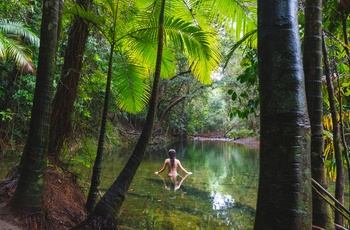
x=107 y=209
x=344 y=16
x=96 y=174
x=63 y=102
x=321 y=212
x=339 y=184
x=30 y=189
x=284 y=194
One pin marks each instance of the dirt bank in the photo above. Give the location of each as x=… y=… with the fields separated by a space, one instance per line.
x=248 y=141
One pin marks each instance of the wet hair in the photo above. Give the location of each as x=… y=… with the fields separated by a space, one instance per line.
x=172 y=154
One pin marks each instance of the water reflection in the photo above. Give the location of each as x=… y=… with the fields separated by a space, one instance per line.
x=173 y=180
x=220 y=194
x=221 y=202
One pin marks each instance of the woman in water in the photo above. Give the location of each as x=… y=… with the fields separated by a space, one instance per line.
x=172 y=164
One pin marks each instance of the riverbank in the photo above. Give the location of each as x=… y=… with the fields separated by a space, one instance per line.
x=248 y=141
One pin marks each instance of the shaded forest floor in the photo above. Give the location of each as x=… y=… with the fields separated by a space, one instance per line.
x=64 y=200
x=63 y=206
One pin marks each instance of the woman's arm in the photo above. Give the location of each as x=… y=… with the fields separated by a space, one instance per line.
x=165 y=163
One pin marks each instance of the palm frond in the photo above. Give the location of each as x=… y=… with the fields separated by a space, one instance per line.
x=20 y=54
x=11 y=34
x=200 y=46
x=89 y=15
x=132 y=92
x=237 y=16
x=142 y=40
x=247 y=36
x=3 y=42
x=16 y=28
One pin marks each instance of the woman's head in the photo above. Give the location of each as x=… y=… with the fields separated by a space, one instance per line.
x=172 y=153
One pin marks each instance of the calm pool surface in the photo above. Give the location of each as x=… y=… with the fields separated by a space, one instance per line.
x=220 y=194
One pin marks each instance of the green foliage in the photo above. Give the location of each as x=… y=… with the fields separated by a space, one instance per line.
x=208 y=112
x=238 y=17
x=247 y=94
x=85 y=154
x=130 y=87
x=15 y=103
x=239 y=133
x=11 y=46
x=134 y=33
x=16 y=90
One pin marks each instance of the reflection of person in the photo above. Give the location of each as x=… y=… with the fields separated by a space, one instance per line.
x=172 y=163
x=173 y=179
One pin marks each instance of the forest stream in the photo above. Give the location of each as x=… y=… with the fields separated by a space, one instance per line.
x=220 y=194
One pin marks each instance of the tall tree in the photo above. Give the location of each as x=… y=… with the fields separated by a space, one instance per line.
x=284 y=194
x=29 y=193
x=340 y=178
x=63 y=102
x=106 y=210
x=321 y=213
x=133 y=47
x=118 y=12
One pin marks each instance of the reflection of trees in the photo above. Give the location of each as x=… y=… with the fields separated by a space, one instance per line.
x=193 y=202
x=226 y=169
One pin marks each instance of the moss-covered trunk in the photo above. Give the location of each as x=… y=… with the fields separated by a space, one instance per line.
x=30 y=189
x=67 y=86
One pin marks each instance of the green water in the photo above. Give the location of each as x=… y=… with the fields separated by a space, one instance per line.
x=220 y=194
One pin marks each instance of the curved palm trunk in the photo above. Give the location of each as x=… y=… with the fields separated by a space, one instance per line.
x=30 y=189
x=106 y=210
x=340 y=181
x=321 y=212
x=284 y=194
x=63 y=102
x=96 y=174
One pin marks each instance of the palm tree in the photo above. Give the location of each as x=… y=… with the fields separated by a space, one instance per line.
x=183 y=35
x=284 y=194
x=112 y=32
x=340 y=181
x=104 y=214
x=313 y=82
x=131 y=36
x=29 y=193
x=11 y=46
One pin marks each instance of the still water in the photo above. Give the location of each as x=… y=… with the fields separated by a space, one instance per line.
x=220 y=194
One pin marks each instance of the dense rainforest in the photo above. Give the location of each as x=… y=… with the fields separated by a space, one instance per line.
x=80 y=77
